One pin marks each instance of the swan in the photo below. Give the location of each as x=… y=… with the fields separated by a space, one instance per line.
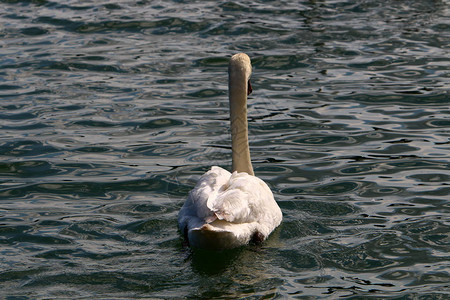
x=227 y=210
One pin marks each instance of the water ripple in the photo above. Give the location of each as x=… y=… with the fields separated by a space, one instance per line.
x=110 y=112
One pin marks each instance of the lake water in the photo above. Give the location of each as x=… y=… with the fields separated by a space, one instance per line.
x=111 y=110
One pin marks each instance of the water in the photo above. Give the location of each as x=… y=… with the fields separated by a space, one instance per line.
x=111 y=111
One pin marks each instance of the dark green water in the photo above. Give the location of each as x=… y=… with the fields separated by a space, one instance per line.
x=111 y=110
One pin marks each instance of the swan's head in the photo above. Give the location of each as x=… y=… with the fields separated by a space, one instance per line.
x=240 y=70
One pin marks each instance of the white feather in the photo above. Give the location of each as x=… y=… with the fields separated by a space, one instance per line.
x=225 y=210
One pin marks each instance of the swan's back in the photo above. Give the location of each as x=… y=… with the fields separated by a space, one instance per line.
x=227 y=210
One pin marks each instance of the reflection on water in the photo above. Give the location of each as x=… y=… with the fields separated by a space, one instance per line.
x=109 y=113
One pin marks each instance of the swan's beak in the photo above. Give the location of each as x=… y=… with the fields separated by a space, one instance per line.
x=249 y=88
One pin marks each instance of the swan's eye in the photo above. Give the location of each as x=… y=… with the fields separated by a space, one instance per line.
x=249 y=88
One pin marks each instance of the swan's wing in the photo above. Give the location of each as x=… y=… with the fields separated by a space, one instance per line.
x=196 y=205
x=245 y=199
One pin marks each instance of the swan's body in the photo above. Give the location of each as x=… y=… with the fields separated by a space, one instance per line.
x=227 y=210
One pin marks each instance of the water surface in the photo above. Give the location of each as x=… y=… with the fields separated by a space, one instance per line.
x=110 y=111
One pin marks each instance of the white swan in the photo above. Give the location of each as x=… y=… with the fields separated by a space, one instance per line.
x=227 y=210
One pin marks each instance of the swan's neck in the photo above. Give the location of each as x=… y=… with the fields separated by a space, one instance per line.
x=239 y=128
